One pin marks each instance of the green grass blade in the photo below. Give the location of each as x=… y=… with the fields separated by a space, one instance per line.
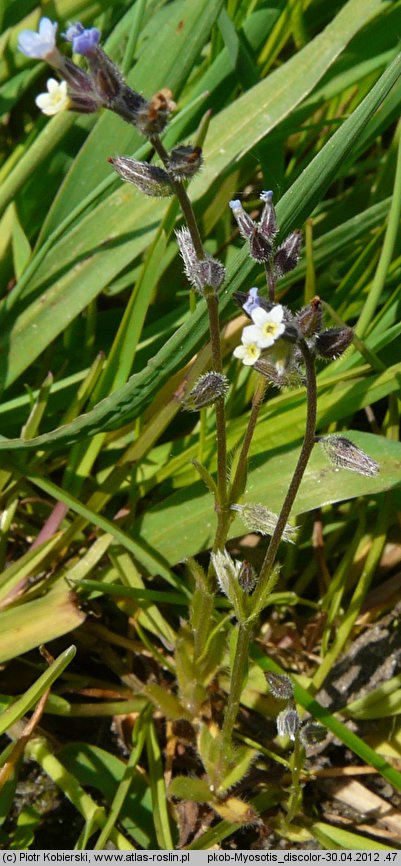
x=158 y=790
x=335 y=837
x=139 y=736
x=28 y=700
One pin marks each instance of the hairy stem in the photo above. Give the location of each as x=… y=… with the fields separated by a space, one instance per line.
x=245 y=629
x=184 y=201
x=214 y=327
x=237 y=677
x=271 y=283
x=295 y=798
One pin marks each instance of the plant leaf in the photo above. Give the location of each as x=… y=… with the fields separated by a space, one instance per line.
x=189 y=788
x=23 y=704
x=29 y=625
x=268 y=480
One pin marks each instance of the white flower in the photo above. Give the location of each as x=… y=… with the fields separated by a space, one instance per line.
x=40 y=44
x=249 y=352
x=267 y=327
x=56 y=99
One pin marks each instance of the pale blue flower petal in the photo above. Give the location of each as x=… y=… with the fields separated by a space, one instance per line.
x=38 y=45
x=252 y=301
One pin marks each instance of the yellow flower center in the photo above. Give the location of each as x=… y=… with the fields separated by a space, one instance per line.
x=269 y=329
x=253 y=350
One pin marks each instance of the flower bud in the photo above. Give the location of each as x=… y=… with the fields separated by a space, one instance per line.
x=309 y=319
x=209 y=388
x=227 y=571
x=249 y=301
x=260 y=247
x=76 y=78
x=84 y=40
x=281 y=374
x=257 y=518
x=128 y=105
x=280 y=686
x=333 y=342
x=260 y=235
x=287 y=255
x=150 y=179
x=107 y=77
x=152 y=116
x=267 y=223
x=244 y=222
x=312 y=733
x=343 y=453
x=201 y=273
x=184 y=161
x=288 y=723
x=247 y=577
x=81 y=90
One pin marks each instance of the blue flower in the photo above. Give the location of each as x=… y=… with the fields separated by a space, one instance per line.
x=84 y=41
x=73 y=31
x=252 y=301
x=38 y=45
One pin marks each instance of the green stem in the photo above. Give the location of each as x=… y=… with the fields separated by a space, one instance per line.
x=311 y=391
x=298 y=24
x=295 y=798
x=239 y=480
x=214 y=326
x=245 y=629
x=237 y=677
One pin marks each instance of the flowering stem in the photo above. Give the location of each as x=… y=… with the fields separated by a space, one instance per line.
x=239 y=480
x=237 y=677
x=311 y=391
x=214 y=327
x=245 y=629
x=271 y=283
x=295 y=798
x=183 y=199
